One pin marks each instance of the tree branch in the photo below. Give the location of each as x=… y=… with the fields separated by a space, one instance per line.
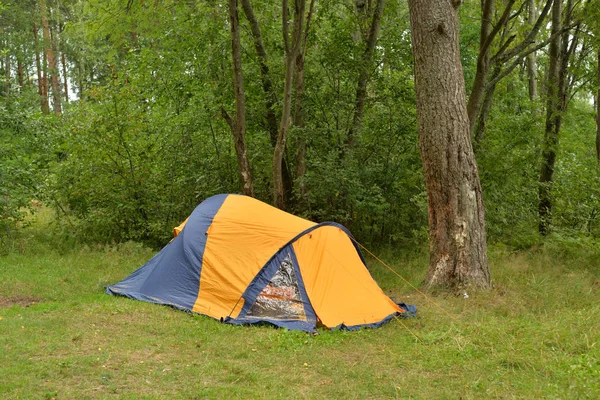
x=227 y=118
x=496 y=29
x=524 y=54
x=529 y=39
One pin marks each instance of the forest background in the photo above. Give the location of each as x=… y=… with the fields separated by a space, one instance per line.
x=122 y=116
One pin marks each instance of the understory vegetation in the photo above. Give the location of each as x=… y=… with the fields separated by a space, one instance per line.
x=137 y=132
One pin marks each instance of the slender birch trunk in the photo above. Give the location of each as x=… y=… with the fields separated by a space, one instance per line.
x=238 y=127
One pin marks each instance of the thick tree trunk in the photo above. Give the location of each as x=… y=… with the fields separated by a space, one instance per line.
x=291 y=52
x=553 y=120
x=364 y=73
x=238 y=127
x=458 y=255
x=532 y=58
x=49 y=55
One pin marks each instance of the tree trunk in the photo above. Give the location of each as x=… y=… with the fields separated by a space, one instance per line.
x=299 y=105
x=80 y=78
x=60 y=50
x=238 y=127
x=598 y=108
x=363 y=77
x=553 y=120
x=7 y=74
x=270 y=95
x=54 y=76
x=265 y=76
x=486 y=107
x=502 y=56
x=41 y=74
x=64 y=69
x=300 y=123
x=49 y=55
x=532 y=58
x=291 y=52
x=458 y=255
x=483 y=62
x=20 y=74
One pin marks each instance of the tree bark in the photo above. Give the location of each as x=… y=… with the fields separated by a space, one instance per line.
x=553 y=120
x=49 y=54
x=458 y=254
x=238 y=127
x=532 y=58
x=291 y=52
x=364 y=73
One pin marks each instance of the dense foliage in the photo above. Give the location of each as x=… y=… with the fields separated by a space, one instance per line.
x=143 y=136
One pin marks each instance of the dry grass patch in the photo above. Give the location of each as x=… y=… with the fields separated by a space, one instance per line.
x=21 y=301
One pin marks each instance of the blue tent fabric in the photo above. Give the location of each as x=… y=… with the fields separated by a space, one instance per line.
x=177 y=285
x=411 y=310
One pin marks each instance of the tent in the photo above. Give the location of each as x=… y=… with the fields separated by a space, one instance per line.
x=242 y=261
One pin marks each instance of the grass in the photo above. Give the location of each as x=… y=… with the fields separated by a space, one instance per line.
x=536 y=334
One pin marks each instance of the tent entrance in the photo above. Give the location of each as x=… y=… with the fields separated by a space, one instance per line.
x=281 y=297
x=277 y=295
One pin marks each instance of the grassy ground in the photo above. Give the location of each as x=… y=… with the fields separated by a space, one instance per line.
x=535 y=335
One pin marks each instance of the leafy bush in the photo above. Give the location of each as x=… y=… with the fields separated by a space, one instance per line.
x=25 y=140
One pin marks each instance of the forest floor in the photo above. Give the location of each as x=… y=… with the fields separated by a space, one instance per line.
x=536 y=334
